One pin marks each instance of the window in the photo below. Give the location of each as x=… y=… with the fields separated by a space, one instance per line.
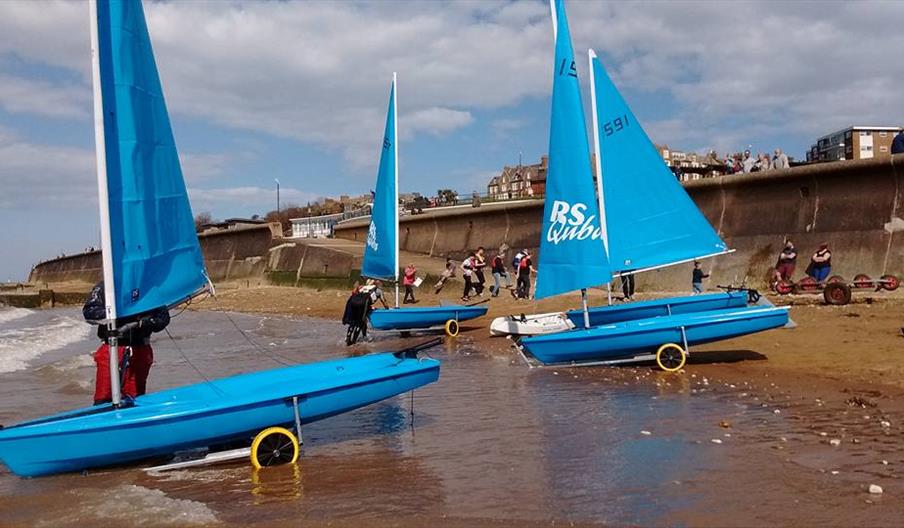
x=883 y=149
x=883 y=134
x=864 y=133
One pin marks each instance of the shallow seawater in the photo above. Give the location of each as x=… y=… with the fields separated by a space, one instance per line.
x=492 y=440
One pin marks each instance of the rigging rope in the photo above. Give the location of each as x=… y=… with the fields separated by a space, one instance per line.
x=192 y=365
x=273 y=356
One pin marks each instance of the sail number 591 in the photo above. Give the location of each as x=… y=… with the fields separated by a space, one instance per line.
x=616 y=125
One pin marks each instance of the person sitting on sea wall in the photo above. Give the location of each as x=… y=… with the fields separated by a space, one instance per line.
x=133 y=339
x=408 y=280
x=787 y=261
x=820 y=263
x=897 y=144
x=697 y=278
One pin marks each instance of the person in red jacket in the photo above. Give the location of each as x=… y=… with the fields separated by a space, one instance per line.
x=408 y=280
x=134 y=343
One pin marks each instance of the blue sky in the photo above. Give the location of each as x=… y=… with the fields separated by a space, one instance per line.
x=298 y=90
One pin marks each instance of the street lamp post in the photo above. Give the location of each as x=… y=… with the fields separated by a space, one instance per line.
x=277 y=194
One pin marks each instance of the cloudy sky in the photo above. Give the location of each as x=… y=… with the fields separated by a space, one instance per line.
x=298 y=91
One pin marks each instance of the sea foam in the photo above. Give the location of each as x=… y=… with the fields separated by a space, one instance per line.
x=20 y=346
x=8 y=314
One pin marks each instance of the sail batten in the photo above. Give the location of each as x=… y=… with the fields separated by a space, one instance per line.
x=651 y=220
x=572 y=252
x=381 y=249
x=151 y=253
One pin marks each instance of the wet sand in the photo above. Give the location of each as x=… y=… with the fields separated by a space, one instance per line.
x=836 y=381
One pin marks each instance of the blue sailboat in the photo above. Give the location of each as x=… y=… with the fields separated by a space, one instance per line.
x=664 y=228
x=151 y=258
x=381 y=249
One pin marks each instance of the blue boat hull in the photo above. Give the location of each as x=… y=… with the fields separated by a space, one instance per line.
x=642 y=337
x=603 y=315
x=412 y=318
x=205 y=414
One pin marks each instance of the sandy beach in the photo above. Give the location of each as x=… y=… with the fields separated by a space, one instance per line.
x=838 y=377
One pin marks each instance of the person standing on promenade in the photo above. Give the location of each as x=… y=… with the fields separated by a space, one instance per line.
x=408 y=280
x=780 y=160
x=133 y=340
x=897 y=144
x=499 y=271
x=749 y=161
x=697 y=278
x=480 y=262
x=820 y=263
x=467 y=270
x=447 y=274
x=787 y=261
x=525 y=267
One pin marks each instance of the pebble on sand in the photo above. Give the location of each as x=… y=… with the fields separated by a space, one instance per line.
x=716 y=441
x=875 y=489
x=646 y=433
x=835 y=442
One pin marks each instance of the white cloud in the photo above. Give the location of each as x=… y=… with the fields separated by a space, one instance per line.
x=44 y=176
x=437 y=121
x=319 y=72
x=20 y=95
x=249 y=198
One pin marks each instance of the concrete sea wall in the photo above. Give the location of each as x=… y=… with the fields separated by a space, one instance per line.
x=855 y=206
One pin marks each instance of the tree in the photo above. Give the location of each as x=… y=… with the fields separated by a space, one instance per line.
x=203 y=218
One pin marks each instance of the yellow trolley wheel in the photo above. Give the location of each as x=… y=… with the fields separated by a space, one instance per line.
x=451 y=328
x=274 y=446
x=671 y=357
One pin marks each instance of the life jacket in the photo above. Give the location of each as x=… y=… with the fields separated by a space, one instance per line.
x=516 y=262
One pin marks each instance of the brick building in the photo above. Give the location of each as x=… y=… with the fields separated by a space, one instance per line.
x=519 y=181
x=852 y=143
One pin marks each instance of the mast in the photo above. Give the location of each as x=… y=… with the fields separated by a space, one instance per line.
x=598 y=169
x=395 y=146
x=596 y=151
x=104 y=204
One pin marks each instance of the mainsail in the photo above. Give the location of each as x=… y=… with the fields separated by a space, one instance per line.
x=650 y=220
x=572 y=254
x=381 y=255
x=151 y=255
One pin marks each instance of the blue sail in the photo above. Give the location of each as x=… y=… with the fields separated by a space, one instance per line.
x=153 y=252
x=572 y=254
x=650 y=219
x=381 y=256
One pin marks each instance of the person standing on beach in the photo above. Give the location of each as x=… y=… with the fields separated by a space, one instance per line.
x=480 y=262
x=499 y=271
x=467 y=270
x=408 y=280
x=525 y=267
x=447 y=274
x=697 y=278
x=627 y=284
x=820 y=263
x=133 y=340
